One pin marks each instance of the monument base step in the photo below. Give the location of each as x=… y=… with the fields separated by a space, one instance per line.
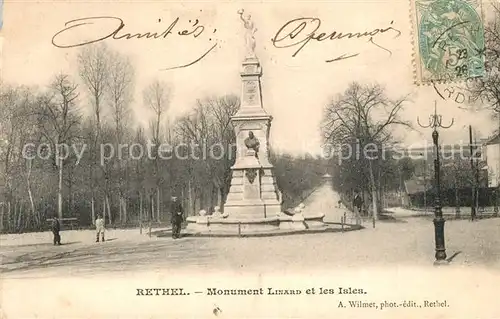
x=268 y=233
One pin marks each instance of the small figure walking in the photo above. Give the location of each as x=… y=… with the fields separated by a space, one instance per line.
x=358 y=206
x=56 y=228
x=177 y=217
x=358 y=202
x=99 y=226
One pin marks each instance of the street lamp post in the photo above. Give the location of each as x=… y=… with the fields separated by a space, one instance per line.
x=435 y=121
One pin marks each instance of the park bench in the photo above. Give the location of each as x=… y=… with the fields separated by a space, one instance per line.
x=71 y=222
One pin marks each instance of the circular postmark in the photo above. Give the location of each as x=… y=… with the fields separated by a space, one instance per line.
x=451 y=40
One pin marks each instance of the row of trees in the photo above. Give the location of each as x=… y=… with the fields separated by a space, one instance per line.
x=74 y=149
x=358 y=123
x=363 y=115
x=361 y=121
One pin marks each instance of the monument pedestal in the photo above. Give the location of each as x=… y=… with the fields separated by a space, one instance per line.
x=254 y=201
x=253 y=193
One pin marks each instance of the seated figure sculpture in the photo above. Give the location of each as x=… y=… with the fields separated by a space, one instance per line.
x=252 y=143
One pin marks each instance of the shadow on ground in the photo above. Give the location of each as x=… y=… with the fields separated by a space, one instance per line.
x=386 y=218
x=48 y=244
x=116 y=256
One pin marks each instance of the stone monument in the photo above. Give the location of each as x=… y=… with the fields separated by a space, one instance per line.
x=253 y=205
x=253 y=192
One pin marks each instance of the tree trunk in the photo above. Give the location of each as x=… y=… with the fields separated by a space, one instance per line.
x=477 y=198
x=151 y=207
x=93 y=209
x=109 y=209
x=120 y=209
x=13 y=216
x=120 y=204
x=19 y=216
x=71 y=195
x=59 y=190
x=125 y=202
x=380 y=199
x=9 y=214
x=190 y=198
x=380 y=193
x=140 y=207
x=373 y=193
x=157 y=203
x=1 y=216
x=202 y=198
x=28 y=184
x=196 y=200
x=104 y=210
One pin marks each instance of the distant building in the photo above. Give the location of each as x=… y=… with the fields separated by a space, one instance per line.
x=447 y=151
x=492 y=158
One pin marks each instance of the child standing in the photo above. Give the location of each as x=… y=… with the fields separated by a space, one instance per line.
x=99 y=226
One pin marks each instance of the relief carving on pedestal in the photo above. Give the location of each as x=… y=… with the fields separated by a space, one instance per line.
x=251 y=174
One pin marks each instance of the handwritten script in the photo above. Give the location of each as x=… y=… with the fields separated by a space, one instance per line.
x=298 y=33
x=113 y=28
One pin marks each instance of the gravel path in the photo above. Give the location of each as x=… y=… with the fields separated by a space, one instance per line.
x=393 y=242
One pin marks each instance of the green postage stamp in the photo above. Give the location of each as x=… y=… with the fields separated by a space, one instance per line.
x=449 y=40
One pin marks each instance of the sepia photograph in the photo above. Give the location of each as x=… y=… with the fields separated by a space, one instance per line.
x=244 y=159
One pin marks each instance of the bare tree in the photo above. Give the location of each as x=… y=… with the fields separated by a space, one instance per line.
x=17 y=129
x=94 y=65
x=58 y=119
x=221 y=110
x=157 y=97
x=121 y=89
x=362 y=117
x=210 y=124
x=485 y=91
x=121 y=85
x=9 y=130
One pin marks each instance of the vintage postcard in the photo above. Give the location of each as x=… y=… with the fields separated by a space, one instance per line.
x=242 y=159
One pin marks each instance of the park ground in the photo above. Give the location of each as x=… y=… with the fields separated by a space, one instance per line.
x=399 y=241
x=82 y=278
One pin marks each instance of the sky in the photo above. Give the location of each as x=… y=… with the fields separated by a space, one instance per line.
x=295 y=89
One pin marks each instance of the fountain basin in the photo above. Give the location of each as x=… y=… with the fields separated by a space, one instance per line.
x=314 y=220
x=208 y=225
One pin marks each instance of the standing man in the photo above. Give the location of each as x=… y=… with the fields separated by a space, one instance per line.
x=177 y=217
x=99 y=227
x=56 y=228
x=358 y=206
x=358 y=202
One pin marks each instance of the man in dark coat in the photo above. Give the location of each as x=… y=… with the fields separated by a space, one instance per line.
x=56 y=228
x=177 y=217
x=358 y=202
